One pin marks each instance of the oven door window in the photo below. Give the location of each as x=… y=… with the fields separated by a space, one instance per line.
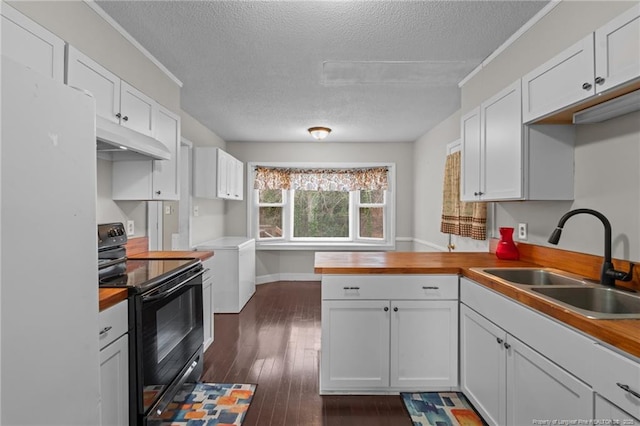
x=171 y=334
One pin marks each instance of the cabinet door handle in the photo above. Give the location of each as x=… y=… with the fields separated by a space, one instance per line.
x=499 y=340
x=599 y=80
x=386 y=309
x=158 y=192
x=626 y=388
x=125 y=118
x=395 y=309
x=506 y=345
x=351 y=288
x=587 y=86
x=118 y=115
x=476 y=193
x=424 y=287
x=105 y=330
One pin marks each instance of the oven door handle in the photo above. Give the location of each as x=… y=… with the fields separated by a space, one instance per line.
x=170 y=291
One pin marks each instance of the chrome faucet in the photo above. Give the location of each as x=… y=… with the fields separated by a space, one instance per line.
x=608 y=274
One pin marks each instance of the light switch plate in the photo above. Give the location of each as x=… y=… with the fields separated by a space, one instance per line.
x=522 y=231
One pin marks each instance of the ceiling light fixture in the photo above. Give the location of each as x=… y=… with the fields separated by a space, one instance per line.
x=319 y=133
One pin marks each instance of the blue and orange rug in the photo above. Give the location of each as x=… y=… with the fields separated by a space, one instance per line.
x=208 y=404
x=440 y=409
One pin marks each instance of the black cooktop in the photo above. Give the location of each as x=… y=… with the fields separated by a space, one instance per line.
x=144 y=274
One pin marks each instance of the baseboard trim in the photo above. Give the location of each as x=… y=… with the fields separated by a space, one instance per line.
x=263 y=279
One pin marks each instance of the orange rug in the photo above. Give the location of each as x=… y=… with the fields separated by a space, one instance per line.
x=440 y=409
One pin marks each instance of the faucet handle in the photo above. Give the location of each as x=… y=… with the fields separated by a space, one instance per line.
x=622 y=276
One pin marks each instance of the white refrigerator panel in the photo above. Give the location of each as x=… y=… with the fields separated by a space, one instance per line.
x=49 y=300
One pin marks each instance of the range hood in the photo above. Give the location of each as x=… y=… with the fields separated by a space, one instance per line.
x=118 y=143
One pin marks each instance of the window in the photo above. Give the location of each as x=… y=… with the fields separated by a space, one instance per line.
x=309 y=218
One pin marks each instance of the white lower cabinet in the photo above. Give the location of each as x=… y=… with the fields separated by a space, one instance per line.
x=510 y=383
x=114 y=366
x=379 y=336
x=207 y=302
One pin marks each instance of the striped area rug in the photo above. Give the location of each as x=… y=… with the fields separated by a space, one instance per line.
x=208 y=404
x=440 y=409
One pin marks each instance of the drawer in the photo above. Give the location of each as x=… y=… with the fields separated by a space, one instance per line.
x=113 y=323
x=611 y=369
x=400 y=287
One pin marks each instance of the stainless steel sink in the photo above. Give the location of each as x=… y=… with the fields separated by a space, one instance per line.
x=533 y=276
x=595 y=302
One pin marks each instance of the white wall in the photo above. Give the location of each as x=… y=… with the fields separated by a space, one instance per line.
x=292 y=264
x=209 y=224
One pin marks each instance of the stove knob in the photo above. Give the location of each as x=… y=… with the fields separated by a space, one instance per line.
x=111 y=232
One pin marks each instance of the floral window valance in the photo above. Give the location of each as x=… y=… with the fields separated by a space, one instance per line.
x=370 y=178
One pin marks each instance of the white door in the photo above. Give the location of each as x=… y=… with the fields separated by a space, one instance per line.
x=355 y=344
x=483 y=365
x=618 y=50
x=471 y=156
x=28 y=43
x=424 y=344
x=136 y=109
x=166 y=173
x=114 y=383
x=539 y=389
x=85 y=73
x=501 y=136
x=562 y=81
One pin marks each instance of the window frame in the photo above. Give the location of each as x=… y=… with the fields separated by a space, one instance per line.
x=353 y=243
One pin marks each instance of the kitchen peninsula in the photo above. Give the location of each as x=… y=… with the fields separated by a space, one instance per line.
x=390 y=323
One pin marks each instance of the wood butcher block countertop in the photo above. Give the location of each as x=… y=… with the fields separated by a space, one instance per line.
x=623 y=334
x=108 y=297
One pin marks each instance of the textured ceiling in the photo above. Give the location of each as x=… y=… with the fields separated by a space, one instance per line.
x=380 y=71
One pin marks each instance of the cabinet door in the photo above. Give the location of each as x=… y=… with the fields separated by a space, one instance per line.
x=238 y=180
x=85 y=73
x=483 y=365
x=166 y=173
x=471 y=156
x=501 y=137
x=114 y=383
x=355 y=345
x=539 y=389
x=618 y=50
x=136 y=109
x=424 y=344
x=222 y=174
x=28 y=43
x=207 y=312
x=607 y=410
x=560 y=82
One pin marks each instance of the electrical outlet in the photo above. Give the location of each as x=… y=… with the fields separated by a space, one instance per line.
x=522 y=231
x=130 y=228
x=196 y=211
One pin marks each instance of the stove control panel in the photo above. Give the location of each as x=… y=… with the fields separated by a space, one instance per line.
x=111 y=235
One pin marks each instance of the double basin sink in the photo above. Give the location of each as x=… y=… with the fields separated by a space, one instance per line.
x=574 y=293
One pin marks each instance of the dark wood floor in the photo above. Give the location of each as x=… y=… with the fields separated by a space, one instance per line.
x=274 y=342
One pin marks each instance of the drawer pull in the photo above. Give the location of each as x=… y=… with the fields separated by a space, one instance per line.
x=499 y=340
x=430 y=287
x=105 y=330
x=626 y=388
x=351 y=288
x=506 y=345
x=386 y=309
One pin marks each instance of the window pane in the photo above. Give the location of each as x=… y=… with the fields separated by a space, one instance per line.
x=270 y=222
x=372 y=197
x=371 y=222
x=270 y=196
x=320 y=214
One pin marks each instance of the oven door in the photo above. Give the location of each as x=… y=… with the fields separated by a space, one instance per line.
x=170 y=334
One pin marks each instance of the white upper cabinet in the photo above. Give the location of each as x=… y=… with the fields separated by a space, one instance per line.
x=152 y=179
x=217 y=174
x=116 y=100
x=28 y=43
x=560 y=82
x=604 y=60
x=504 y=160
x=618 y=50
